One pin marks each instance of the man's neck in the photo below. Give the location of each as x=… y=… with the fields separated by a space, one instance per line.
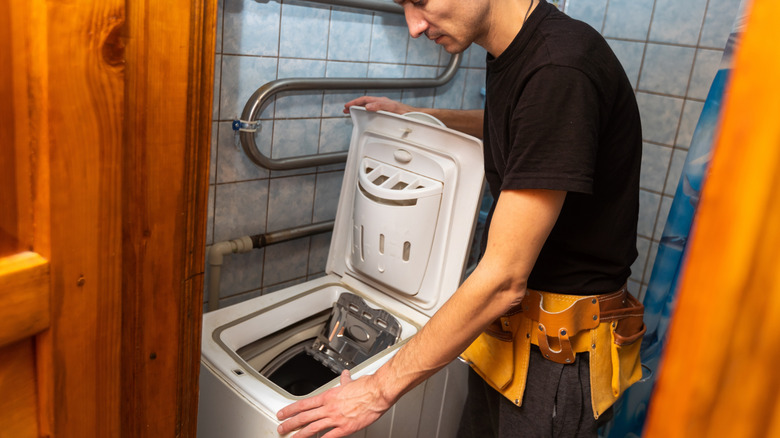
x=506 y=20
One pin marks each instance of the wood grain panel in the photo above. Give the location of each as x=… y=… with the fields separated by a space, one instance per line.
x=9 y=230
x=24 y=294
x=719 y=376
x=18 y=403
x=85 y=110
x=164 y=192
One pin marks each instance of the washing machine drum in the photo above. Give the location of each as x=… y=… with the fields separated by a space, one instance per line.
x=353 y=333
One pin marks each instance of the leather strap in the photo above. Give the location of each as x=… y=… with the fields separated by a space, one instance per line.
x=559 y=317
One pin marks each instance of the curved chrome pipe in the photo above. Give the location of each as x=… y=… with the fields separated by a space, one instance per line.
x=263 y=94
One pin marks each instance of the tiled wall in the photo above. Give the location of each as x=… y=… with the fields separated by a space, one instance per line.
x=671 y=50
x=259 y=41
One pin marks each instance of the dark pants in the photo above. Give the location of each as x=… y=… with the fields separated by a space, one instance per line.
x=556 y=403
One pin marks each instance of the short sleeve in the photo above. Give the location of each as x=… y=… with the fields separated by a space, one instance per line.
x=554 y=133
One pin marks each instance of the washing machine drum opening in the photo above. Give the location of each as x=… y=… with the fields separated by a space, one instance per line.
x=297 y=372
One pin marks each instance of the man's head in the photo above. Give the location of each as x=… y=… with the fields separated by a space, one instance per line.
x=454 y=24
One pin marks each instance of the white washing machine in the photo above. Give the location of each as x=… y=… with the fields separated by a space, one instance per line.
x=406 y=213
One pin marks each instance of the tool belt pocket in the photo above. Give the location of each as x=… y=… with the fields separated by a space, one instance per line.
x=500 y=355
x=615 y=363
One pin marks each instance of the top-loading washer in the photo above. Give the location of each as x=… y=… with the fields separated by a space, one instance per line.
x=405 y=218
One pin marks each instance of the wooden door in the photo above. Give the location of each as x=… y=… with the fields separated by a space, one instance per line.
x=104 y=144
x=719 y=376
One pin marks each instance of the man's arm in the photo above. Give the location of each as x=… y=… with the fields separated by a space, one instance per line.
x=521 y=223
x=466 y=121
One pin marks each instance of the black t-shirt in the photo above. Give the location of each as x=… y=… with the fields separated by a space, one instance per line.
x=560 y=114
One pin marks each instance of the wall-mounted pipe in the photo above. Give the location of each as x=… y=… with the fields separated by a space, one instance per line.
x=255 y=104
x=216 y=253
x=372 y=5
x=257 y=101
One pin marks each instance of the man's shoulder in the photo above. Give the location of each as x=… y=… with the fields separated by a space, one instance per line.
x=569 y=42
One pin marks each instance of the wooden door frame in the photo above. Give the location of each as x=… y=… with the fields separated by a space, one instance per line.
x=111 y=138
x=164 y=192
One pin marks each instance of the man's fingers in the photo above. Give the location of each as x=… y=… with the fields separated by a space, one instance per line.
x=299 y=406
x=301 y=420
x=360 y=101
x=315 y=427
x=345 y=377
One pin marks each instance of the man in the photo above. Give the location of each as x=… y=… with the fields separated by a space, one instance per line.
x=562 y=154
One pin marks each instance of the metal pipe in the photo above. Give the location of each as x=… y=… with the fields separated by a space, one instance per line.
x=264 y=93
x=258 y=99
x=216 y=253
x=372 y=5
x=262 y=240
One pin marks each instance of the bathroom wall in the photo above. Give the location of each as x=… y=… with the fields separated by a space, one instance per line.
x=259 y=41
x=669 y=48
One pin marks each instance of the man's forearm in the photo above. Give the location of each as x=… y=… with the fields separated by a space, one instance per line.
x=520 y=227
x=467 y=121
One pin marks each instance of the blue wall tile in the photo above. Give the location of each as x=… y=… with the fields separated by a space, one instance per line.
x=348 y=38
x=333 y=102
x=704 y=69
x=663 y=213
x=210 y=217
x=589 y=11
x=241 y=76
x=217 y=81
x=251 y=28
x=677 y=22
x=232 y=164
x=655 y=162
x=475 y=81
x=220 y=19
x=304 y=31
x=241 y=273
x=638 y=267
x=628 y=19
x=285 y=261
x=660 y=117
x=650 y=263
x=648 y=210
x=419 y=97
x=675 y=171
x=318 y=254
x=690 y=117
x=718 y=23
x=386 y=71
x=451 y=94
x=295 y=137
x=299 y=103
x=630 y=55
x=239 y=209
x=666 y=69
x=290 y=202
x=474 y=56
x=335 y=135
x=326 y=196
x=213 y=157
x=389 y=38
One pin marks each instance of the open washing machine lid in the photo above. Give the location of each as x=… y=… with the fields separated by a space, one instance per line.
x=407 y=208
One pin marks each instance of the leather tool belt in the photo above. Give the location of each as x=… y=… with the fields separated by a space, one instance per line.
x=607 y=326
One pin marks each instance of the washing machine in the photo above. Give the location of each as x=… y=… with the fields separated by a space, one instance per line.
x=406 y=213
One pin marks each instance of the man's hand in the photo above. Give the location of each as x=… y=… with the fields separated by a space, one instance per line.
x=347 y=408
x=372 y=103
x=467 y=121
